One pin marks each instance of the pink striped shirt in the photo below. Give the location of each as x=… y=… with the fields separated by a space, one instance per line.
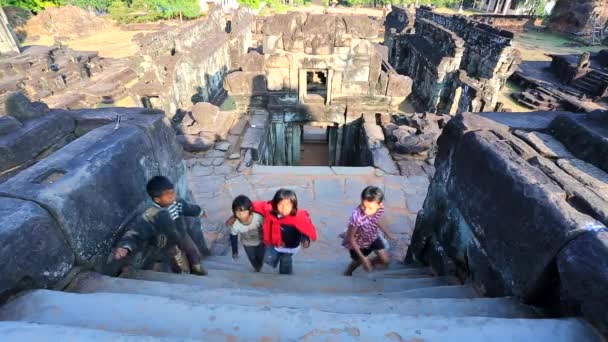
x=366 y=228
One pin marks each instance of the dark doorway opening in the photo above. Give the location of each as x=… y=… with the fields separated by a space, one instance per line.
x=315 y=146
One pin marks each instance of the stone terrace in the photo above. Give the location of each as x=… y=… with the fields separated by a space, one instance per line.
x=329 y=193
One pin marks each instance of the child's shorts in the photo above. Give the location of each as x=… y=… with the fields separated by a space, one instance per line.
x=375 y=246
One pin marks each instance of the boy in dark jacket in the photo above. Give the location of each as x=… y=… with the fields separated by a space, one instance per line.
x=164 y=227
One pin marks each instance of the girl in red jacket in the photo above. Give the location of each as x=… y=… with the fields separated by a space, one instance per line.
x=285 y=229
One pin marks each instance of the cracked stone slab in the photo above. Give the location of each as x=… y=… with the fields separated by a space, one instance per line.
x=591 y=176
x=545 y=144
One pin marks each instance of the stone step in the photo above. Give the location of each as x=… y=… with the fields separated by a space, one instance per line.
x=292 y=283
x=164 y=317
x=303 y=269
x=486 y=307
x=27 y=332
x=308 y=267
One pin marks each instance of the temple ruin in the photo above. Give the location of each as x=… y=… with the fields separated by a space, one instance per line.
x=500 y=216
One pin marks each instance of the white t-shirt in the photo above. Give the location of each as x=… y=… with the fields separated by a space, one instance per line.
x=251 y=234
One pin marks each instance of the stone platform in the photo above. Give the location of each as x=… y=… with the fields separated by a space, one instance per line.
x=328 y=193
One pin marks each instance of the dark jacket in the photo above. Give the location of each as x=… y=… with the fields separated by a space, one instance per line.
x=159 y=226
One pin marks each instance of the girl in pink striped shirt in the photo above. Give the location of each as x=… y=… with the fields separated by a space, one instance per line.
x=362 y=237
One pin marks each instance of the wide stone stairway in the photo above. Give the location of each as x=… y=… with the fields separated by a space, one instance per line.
x=403 y=303
x=316 y=303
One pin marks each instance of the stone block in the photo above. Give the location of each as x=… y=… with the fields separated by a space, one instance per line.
x=545 y=144
x=189 y=126
x=245 y=83
x=205 y=115
x=360 y=27
x=319 y=44
x=399 y=85
x=89 y=119
x=8 y=124
x=194 y=143
x=252 y=62
x=35 y=137
x=222 y=146
x=34 y=253
x=275 y=78
x=96 y=184
x=354 y=88
x=259 y=120
x=239 y=126
x=253 y=140
x=587 y=139
x=272 y=44
x=583 y=276
x=277 y=61
x=344 y=40
x=383 y=161
x=356 y=74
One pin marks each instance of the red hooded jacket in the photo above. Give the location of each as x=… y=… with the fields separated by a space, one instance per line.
x=272 y=224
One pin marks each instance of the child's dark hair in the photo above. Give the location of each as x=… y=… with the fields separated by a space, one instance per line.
x=242 y=203
x=157 y=185
x=372 y=194
x=285 y=194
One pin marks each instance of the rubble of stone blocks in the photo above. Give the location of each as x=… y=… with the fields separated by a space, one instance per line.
x=64 y=78
x=569 y=82
x=519 y=206
x=67 y=209
x=414 y=133
x=458 y=64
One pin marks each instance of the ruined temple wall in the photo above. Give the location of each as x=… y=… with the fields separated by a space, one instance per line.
x=487 y=49
x=182 y=66
x=431 y=57
x=296 y=41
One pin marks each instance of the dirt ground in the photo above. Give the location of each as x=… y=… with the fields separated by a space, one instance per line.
x=80 y=30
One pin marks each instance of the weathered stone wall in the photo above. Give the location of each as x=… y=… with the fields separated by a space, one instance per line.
x=511 y=23
x=400 y=20
x=183 y=66
x=430 y=57
x=519 y=206
x=340 y=46
x=577 y=16
x=488 y=49
x=67 y=210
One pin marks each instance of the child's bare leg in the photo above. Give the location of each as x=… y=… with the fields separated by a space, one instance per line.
x=351 y=268
x=381 y=260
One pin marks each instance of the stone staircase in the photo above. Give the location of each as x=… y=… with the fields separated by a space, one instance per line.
x=538 y=98
x=593 y=83
x=317 y=303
